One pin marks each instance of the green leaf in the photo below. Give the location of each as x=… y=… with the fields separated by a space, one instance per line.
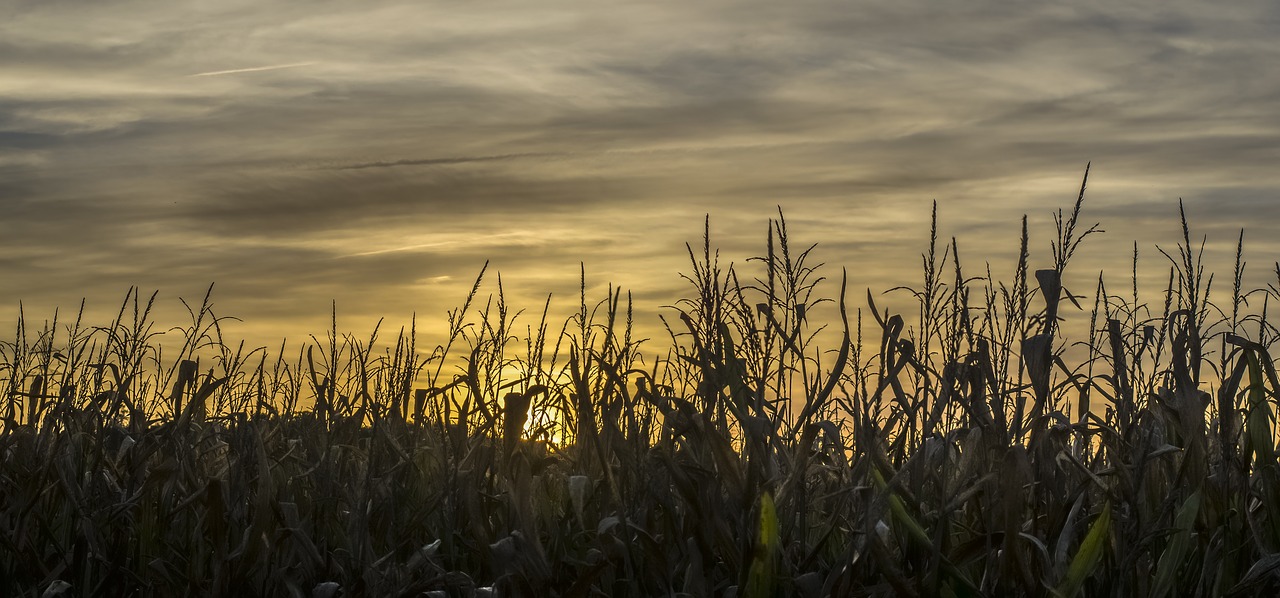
x=1176 y=551
x=1087 y=557
x=898 y=508
x=760 y=576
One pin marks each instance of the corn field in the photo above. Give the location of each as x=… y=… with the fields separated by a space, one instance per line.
x=969 y=446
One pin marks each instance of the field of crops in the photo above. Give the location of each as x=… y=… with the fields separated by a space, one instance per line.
x=971 y=447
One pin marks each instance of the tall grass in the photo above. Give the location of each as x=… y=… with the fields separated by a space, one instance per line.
x=972 y=448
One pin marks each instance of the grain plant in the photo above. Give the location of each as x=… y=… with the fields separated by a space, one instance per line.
x=1000 y=435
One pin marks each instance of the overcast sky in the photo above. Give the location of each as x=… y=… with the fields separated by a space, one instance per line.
x=377 y=153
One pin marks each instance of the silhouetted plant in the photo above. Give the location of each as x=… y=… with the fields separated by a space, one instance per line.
x=976 y=447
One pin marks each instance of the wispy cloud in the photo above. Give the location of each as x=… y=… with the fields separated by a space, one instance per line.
x=610 y=129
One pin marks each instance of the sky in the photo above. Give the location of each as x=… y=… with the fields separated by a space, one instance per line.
x=377 y=153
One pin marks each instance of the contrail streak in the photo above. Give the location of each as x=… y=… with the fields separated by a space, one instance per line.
x=688 y=149
x=254 y=69
x=433 y=161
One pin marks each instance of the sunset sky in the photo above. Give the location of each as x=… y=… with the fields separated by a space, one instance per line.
x=377 y=153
